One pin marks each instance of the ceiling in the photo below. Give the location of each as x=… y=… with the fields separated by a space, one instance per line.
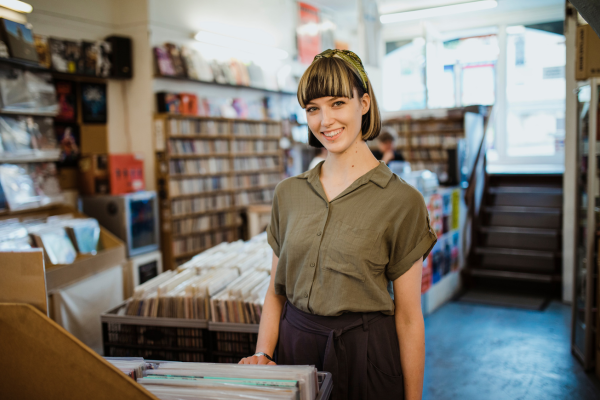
x=391 y=6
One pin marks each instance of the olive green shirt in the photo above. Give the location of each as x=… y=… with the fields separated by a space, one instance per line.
x=339 y=256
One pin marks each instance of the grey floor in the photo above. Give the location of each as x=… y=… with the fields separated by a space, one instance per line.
x=486 y=352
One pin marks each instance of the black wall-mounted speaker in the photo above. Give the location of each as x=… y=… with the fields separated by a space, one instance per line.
x=121 y=57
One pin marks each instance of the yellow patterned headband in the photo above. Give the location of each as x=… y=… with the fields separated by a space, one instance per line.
x=349 y=57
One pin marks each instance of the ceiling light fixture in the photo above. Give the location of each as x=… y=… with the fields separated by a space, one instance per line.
x=438 y=11
x=17 y=5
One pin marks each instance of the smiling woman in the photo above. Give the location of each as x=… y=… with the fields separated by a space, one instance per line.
x=341 y=233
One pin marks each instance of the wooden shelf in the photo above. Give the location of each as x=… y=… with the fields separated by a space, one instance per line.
x=259 y=154
x=240 y=137
x=201 y=194
x=205 y=231
x=205 y=118
x=257 y=171
x=271 y=185
x=28 y=113
x=207 y=212
x=215 y=155
x=184 y=176
x=196 y=81
x=195 y=137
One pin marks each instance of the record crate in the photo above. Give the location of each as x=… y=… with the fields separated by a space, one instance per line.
x=168 y=339
x=230 y=342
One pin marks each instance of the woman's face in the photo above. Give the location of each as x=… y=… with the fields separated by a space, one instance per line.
x=336 y=121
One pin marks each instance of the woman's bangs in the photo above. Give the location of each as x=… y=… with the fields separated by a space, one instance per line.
x=324 y=78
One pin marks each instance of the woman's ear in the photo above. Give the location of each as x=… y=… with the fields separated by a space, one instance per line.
x=365 y=102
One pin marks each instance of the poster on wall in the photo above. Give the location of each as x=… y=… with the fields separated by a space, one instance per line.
x=67 y=101
x=308 y=33
x=93 y=103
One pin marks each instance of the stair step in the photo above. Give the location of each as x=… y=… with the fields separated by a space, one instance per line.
x=516 y=229
x=519 y=260
x=520 y=238
x=525 y=190
x=511 y=275
x=523 y=217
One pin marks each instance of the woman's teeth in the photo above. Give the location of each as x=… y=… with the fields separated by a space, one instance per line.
x=332 y=133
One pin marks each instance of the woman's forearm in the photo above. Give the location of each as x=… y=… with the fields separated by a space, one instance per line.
x=268 y=332
x=411 y=336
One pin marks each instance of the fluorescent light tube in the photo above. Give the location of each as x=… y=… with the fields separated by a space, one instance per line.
x=438 y=11
x=16 y=5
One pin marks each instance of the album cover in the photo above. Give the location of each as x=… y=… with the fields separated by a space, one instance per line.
x=19 y=40
x=175 y=55
x=188 y=103
x=187 y=55
x=73 y=56
x=164 y=65
x=42 y=134
x=218 y=72
x=84 y=234
x=45 y=180
x=14 y=136
x=93 y=103
x=96 y=58
x=57 y=55
x=167 y=103
x=43 y=50
x=57 y=245
x=69 y=141
x=67 y=101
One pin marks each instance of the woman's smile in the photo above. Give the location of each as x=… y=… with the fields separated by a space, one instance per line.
x=333 y=134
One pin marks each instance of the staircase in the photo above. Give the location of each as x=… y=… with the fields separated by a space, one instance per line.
x=518 y=238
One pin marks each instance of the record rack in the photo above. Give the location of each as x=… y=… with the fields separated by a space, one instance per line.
x=209 y=169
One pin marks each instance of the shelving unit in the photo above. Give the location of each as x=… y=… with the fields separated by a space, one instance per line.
x=196 y=81
x=586 y=324
x=208 y=171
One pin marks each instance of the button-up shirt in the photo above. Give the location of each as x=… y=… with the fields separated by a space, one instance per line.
x=338 y=256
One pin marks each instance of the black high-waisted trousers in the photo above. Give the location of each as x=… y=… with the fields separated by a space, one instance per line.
x=360 y=350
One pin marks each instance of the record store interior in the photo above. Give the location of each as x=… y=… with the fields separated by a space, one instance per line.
x=152 y=154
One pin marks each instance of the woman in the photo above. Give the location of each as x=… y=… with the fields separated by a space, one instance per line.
x=340 y=233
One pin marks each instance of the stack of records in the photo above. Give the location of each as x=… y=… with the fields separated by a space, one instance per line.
x=133 y=367
x=230 y=381
x=242 y=300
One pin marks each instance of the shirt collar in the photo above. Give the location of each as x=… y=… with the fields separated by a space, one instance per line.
x=380 y=175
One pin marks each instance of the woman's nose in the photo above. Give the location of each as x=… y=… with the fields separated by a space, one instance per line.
x=327 y=119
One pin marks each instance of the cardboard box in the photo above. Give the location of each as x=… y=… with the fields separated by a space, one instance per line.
x=126 y=172
x=41 y=360
x=111 y=252
x=587 y=62
x=22 y=278
x=93 y=174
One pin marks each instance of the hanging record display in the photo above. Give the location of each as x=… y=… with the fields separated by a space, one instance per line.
x=93 y=103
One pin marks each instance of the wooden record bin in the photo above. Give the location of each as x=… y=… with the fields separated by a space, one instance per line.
x=209 y=170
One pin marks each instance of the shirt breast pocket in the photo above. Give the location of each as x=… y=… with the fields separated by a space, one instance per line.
x=350 y=250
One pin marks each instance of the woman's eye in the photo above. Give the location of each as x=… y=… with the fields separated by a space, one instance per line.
x=338 y=103
x=311 y=109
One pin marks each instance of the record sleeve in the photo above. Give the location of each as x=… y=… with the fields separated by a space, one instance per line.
x=176 y=60
x=96 y=58
x=19 y=40
x=84 y=234
x=188 y=103
x=69 y=141
x=67 y=101
x=19 y=188
x=187 y=55
x=14 y=136
x=42 y=134
x=45 y=181
x=73 y=56
x=167 y=103
x=43 y=50
x=56 y=243
x=164 y=65
x=58 y=55
x=93 y=103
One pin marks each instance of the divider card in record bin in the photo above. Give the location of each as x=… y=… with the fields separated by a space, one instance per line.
x=126 y=172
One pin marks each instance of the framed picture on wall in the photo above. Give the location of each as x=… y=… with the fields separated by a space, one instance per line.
x=93 y=103
x=19 y=39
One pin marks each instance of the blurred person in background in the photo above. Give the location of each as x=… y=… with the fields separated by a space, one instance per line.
x=386 y=146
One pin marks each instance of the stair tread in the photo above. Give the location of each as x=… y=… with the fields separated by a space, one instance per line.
x=527 y=276
x=515 y=229
x=522 y=209
x=525 y=190
x=517 y=252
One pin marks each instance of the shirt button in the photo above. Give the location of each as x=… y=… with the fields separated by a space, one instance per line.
x=318 y=233
x=312 y=264
x=305 y=294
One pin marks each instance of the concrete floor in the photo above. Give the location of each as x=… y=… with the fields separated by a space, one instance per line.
x=487 y=353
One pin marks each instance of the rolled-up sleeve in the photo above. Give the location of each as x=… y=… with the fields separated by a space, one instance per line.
x=410 y=240
x=273 y=227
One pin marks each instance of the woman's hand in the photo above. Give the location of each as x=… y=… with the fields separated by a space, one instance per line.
x=257 y=360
